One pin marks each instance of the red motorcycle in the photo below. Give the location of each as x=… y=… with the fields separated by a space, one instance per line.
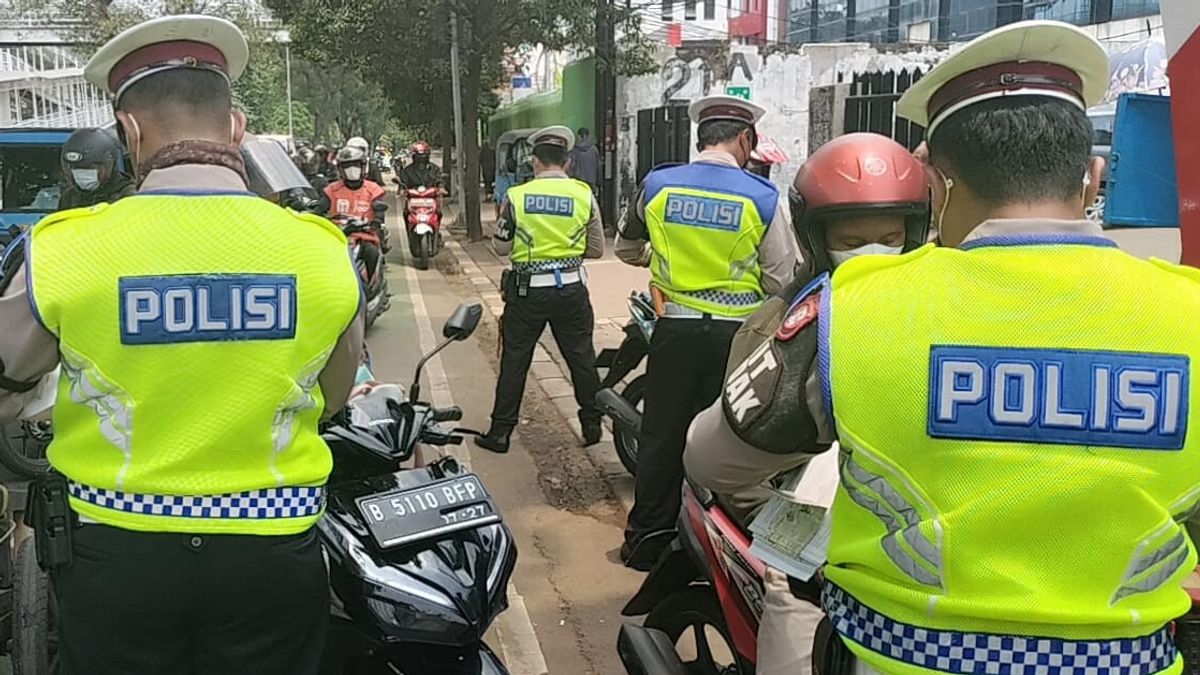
x=423 y=218
x=705 y=579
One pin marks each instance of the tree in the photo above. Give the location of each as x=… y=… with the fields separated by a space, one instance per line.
x=330 y=102
x=404 y=45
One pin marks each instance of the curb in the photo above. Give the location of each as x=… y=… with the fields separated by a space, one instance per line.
x=551 y=374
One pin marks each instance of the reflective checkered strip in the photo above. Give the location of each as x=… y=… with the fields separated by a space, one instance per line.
x=955 y=652
x=285 y=502
x=727 y=299
x=548 y=265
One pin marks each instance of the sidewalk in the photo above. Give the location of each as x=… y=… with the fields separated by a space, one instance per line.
x=610 y=281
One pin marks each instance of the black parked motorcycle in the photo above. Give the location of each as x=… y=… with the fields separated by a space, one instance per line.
x=419 y=558
x=622 y=361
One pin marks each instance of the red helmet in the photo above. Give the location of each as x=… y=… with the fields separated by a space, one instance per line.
x=419 y=148
x=854 y=175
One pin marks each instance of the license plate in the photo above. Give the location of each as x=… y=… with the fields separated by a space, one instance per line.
x=404 y=516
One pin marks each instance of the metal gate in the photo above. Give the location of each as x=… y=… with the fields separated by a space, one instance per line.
x=664 y=135
x=871 y=106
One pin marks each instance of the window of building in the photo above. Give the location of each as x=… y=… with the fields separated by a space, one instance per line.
x=799 y=21
x=1132 y=9
x=916 y=18
x=710 y=9
x=1078 y=12
x=689 y=10
x=970 y=18
x=831 y=20
x=871 y=21
x=668 y=10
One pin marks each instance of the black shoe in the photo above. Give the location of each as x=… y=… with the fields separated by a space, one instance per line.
x=642 y=554
x=494 y=440
x=591 y=432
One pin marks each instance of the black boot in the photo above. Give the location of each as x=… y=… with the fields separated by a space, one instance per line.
x=591 y=432
x=495 y=440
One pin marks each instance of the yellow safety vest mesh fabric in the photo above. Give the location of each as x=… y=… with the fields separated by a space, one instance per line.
x=552 y=216
x=713 y=266
x=1005 y=537
x=200 y=417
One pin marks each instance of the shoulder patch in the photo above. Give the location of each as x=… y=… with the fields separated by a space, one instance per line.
x=798 y=317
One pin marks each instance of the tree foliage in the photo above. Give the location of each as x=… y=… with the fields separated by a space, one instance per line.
x=330 y=102
x=405 y=46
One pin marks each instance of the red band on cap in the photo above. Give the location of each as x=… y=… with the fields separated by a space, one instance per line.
x=726 y=112
x=1001 y=77
x=163 y=53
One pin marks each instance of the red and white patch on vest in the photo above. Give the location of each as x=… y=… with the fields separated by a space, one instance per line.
x=798 y=317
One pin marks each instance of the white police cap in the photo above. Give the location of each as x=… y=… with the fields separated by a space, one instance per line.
x=722 y=107
x=557 y=135
x=1028 y=58
x=166 y=43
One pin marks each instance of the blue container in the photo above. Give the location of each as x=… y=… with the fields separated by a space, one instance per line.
x=1141 y=190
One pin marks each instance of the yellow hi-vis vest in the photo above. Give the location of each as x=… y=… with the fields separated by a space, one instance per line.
x=1016 y=458
x=552 y=215
x=192 y=330
x=705 y=222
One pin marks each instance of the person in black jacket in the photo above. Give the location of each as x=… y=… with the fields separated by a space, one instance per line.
x=91 y=170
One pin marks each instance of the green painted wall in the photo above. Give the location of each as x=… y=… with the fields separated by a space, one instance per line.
x=573 y=105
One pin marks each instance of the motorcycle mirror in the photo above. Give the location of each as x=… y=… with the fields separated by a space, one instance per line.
x=463 y=321
x=379 y=206
x=617 y=407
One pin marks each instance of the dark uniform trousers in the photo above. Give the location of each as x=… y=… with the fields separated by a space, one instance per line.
x=568 y=310
x=684 y=374
x=148 y=603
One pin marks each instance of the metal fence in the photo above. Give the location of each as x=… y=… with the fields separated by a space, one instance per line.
x=871 y=106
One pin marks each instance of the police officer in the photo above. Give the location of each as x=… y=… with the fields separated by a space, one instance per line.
x=1015 y=457
x=196 y=366
x=718 y=241
x=547 y=226
x=91 y=166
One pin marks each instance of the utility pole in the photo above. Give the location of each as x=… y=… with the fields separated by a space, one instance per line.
x=460 y=188
x=605 y=110
x=287 y=54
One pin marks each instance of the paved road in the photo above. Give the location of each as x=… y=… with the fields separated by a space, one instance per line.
x=566 y=593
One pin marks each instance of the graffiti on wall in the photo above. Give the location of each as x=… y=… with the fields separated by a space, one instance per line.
x=688 y=76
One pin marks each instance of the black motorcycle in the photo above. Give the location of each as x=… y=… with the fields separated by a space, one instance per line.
x=622 y=361
x=419 y=558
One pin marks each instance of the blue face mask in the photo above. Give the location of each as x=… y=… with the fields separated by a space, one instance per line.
x=87 y=179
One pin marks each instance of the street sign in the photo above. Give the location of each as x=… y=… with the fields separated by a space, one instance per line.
x=522 y=82
x=740 y=92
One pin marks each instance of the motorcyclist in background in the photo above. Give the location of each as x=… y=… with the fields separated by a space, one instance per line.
x=374 y=172
x=420 y=170
x=354 y=196
x=90 y=164
x=325 y=165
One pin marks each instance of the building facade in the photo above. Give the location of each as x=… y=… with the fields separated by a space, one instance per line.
x=888 y=21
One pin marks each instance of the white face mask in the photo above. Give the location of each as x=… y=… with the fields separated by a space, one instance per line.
x=86 y=179
x=840 y=257
x=353 y=173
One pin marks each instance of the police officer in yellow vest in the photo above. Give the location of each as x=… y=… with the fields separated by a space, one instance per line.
x=202 y=332
x=718 y=241
x=547 y=226
x=1012 y=407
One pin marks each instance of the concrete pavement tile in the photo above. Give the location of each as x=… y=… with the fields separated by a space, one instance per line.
x=568 y=407
x=540 y=354
x=545 y=370
x=556 y=387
